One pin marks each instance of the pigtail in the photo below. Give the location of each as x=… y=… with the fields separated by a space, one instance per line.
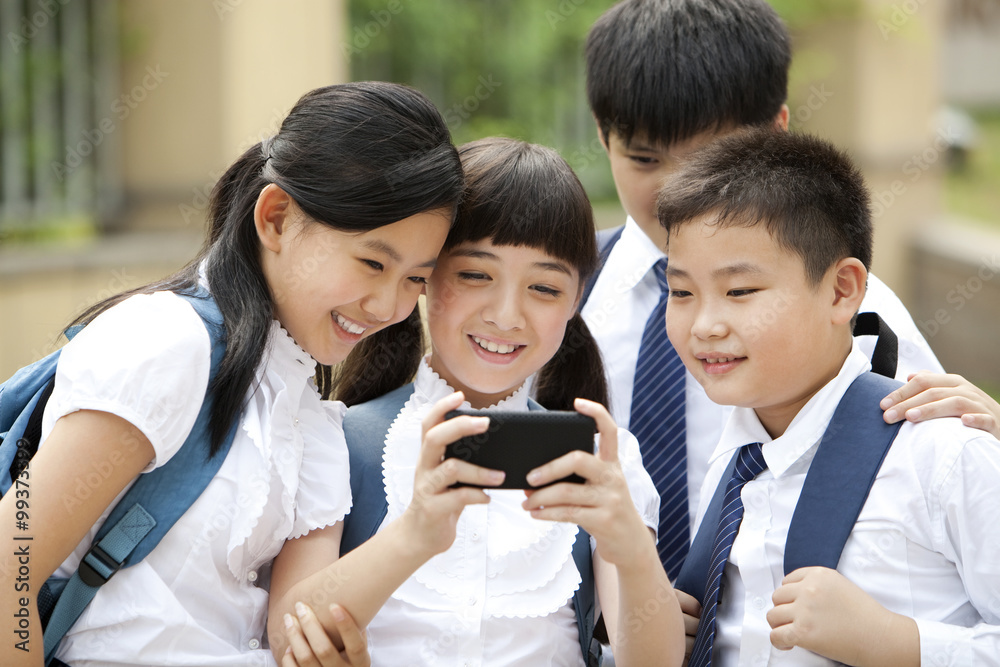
x=576 y=370
x=384 y=361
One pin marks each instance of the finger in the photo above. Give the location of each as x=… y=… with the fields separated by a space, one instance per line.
x=689 y=604
x=918 y=383
x=582 y=516
x=986 y=423
x=690 y=625
x=568 y=493
x=355 y=645
x=297 y=641
x=319 y=641
x=784 y=638
x=606 y=427
x=576 y=462
x=288 y=660
x=796 y=575
x=440 y=478
x=780 y=614
x=438 y=437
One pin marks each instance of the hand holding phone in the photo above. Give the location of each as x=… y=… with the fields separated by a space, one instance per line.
x=519 y=442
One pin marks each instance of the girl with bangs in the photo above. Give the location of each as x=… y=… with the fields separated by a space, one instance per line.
x=505 y=577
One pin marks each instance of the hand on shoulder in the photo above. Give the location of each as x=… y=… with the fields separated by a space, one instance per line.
x=931 y=395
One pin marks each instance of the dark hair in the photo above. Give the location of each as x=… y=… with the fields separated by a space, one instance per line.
x=520 y=194
x=808 y=195
x=670 y=69
x=355 y=157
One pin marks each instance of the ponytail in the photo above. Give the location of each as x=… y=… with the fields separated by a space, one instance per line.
x=576 y=370
x=384 y=361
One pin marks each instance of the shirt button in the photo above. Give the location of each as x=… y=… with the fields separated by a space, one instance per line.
x=254 y=644
x=472 y=600
x=251 y=576
x=475 y=535
x=759 y=604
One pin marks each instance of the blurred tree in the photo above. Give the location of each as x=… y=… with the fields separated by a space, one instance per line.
x=510 y=67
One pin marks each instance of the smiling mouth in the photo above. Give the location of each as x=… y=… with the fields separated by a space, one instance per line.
x=499 y=348
x=349 y=326
x=721 y=360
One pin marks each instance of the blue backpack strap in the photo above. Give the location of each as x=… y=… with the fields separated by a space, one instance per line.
x=841 y=475
x=154 y=503
x=693 y=577
x=606 y=240
x=365 y=426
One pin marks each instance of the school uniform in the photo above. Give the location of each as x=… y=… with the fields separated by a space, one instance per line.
x=200 y=597
x=924 y=544
x=624 y=295
x=502 y=594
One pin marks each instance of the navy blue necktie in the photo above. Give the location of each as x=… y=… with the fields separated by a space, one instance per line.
x=749 y=464
x=657 y=421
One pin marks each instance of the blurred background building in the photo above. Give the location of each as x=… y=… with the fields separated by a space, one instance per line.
x=117 y=117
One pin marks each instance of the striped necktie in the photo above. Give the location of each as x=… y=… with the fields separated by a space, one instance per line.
x=657 y=421
x=749 y=464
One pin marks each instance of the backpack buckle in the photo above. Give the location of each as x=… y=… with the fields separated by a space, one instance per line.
x=90 y=575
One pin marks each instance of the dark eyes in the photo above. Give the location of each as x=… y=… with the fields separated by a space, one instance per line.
x=678 y=293
x=418 y=279
x=472 y=275
x=741 y=292
x=544 y=289
x=378 y=266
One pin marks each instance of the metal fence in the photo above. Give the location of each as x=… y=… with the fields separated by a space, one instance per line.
x=59 y=155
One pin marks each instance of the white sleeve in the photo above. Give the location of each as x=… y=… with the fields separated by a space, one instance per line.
x=640 y=484
x=146 y=360
x=964 y=506
x=324 y=494
x=914 y=352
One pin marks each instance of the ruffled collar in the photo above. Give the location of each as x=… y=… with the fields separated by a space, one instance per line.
x=526 y=565
x=283 y=412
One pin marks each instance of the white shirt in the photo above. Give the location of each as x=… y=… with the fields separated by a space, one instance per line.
x=625 y=294
x=925 y=544
x=503 y=593
x=200 y=597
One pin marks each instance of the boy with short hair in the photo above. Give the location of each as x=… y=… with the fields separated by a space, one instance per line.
x=663 y=78
x=770 y=243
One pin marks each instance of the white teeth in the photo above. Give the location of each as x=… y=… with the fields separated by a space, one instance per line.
x=494 y=347
x=719 y=361
x=348 y=326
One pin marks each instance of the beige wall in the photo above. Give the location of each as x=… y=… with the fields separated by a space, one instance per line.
x=871 y=85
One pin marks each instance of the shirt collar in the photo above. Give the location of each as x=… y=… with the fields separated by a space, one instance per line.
x=807 y=427
x=633 y=256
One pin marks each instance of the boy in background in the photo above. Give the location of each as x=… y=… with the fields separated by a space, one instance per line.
x=770 y=243
x=663 y=78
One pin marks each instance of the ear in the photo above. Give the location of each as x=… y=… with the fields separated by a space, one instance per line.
x=849 y=283
x=781 y=120
x=271 y=215
x=600 y=135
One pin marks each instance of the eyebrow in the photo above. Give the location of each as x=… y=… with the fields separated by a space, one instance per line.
x=381 y=246
x=485 y=254
x=739 y=268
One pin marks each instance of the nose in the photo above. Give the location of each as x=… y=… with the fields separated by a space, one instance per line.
x=381 y=303
x=504 y=310
x=709 y=322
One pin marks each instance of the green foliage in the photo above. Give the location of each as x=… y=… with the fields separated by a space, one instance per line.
x=508 y=67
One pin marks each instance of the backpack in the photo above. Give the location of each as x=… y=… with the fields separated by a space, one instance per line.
x=365 y=426
x=835 y=489
x=144 y=514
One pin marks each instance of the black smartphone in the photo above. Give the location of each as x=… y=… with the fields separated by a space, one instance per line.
x=519 y=442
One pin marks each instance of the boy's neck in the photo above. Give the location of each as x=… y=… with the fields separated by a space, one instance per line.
x=776 y=419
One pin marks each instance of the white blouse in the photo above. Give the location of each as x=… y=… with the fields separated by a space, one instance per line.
x=503 y=593
x=200 y=597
